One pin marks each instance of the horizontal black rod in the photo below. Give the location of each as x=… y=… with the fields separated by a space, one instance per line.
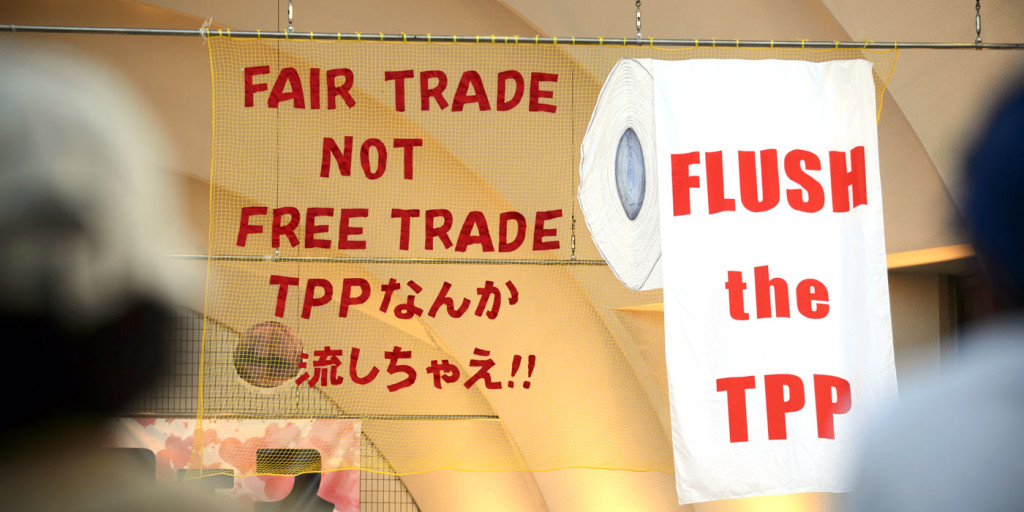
x=421 y=261
x=589 y=41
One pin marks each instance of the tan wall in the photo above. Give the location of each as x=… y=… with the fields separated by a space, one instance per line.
x=917 y=308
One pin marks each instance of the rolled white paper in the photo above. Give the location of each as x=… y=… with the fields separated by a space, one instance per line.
x=618 y=191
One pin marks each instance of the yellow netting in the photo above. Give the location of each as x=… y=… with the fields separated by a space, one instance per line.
x=577 y=356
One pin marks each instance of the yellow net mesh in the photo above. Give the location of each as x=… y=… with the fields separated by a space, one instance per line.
x=435 y=248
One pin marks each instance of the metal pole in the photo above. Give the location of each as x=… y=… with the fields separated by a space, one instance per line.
x=588 y=41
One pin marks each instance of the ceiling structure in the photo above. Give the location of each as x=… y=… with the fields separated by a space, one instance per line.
x=935 y=102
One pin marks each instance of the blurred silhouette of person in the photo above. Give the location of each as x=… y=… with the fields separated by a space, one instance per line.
x=958 y=443
x=86 y=223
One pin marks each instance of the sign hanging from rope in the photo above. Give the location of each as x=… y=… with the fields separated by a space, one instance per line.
x=758 y=208
x=394 y=239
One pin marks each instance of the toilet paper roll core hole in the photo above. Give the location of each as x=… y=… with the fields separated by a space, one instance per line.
x=629 y=173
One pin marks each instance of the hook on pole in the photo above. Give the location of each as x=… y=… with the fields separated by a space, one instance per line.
x=977 y=21
x=290 y=17
x=639 y=36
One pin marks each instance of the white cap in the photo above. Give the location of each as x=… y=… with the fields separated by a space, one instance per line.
x=86 y=204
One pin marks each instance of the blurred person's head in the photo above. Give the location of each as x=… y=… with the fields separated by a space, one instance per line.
x=994 y=201
x=85 y=224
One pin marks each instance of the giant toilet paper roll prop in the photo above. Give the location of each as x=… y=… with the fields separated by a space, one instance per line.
x=619 y=179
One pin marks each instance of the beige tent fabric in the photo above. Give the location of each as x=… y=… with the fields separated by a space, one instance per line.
x=935 y=100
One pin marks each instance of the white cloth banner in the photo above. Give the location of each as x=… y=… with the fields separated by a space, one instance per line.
x=777 y=330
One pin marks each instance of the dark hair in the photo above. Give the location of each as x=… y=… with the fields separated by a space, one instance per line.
x=63 y=372
x=994 y=205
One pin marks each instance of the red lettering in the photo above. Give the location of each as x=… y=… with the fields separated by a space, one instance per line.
x=759 y=182
x=735 y=285
x=334 y=91
x=462 y=96
x=347 y=299
x=290 y=77
x=471 y=89
x=345 y=230
x=278 y=229
x=407 y=145
x=282 y=282
x=682 y=181
x=503 y=77
x=311 y=300
x=399 y=77
x=364 y=158
x=467 y=238
x=717 y=202
x=244 y=228
x=539 y=244
x=536 y=93
x=797 y=163
x=427 y=91
x=812 y=299
x=503 y=244
x=312 y=228
x=762 y=283
x=441 y=231
x=352 y=362
x=344 y=159
x=314 y=88
x=827 y=407
x=845 y=184
x=252 y=88
x=776 y=403
x=736 y=398
x=811 y=296
x=513 y=230
x=768 y=197
x=406 y=216
x=784 y=393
